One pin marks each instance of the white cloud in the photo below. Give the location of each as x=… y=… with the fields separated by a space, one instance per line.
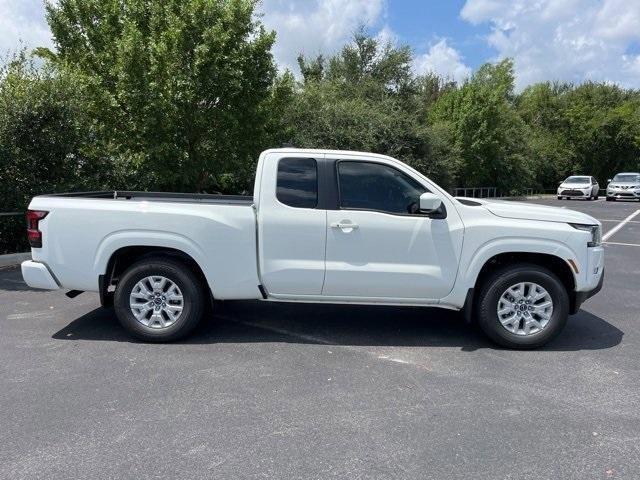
x=386 y=36
x=570 y=40
x=22 y=21
x=302 y=26
x=443 y=60
x=311 y=27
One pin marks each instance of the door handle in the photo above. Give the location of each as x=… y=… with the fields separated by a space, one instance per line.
x=343 y=225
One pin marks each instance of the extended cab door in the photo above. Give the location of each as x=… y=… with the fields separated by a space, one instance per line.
x=291 y=226
x=379 y=245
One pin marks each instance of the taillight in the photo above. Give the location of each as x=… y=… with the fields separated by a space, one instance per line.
x=33 y=233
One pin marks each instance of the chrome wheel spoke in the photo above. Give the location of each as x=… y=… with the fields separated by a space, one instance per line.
x=543 y=306
x=140 y=295
x=510 y=319
x=531 y=325
x=143 y=287
x=156 y=302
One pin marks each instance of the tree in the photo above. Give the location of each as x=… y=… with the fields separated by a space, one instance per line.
x=604 y=127
x=485 y=129
x=542 y=108
x=365 y=98
x=175 y=86
x=43 y=128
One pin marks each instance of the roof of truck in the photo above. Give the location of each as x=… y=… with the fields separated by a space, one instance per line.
x=316 y=151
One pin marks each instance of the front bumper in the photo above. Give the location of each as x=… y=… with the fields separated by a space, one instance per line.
x=623 y=193
x=569 y=192
x=37 y=275
x=581 y=297
x=591 y=279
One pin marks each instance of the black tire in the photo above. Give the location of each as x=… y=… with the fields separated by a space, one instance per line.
x=559 y=197
x=498 y=282
x=611 y=199
x=190 y=286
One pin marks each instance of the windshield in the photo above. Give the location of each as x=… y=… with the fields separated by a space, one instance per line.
x=627 y=177
x=578 y=180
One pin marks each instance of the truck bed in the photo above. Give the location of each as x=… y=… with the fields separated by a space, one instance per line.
x=82 y=231
x=124 y=195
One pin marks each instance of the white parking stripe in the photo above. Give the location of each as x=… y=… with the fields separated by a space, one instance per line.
x=611 y=232
x=626 y=244
x=617 y=220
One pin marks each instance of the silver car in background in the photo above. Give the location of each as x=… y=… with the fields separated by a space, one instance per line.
x=579 y=186
x=624 y=186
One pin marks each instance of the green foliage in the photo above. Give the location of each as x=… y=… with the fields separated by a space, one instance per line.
x=41 y=141
x=176 y=86
x=486 y=130
x=366 y=98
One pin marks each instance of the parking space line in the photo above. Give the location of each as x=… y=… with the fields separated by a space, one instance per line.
x=321 y=341
x=618 y=243
x=617 y=220
x=611 y=232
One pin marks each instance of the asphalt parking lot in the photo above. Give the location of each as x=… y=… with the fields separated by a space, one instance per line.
x=314 y=391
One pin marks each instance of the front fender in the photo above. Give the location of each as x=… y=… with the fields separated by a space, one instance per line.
x=513 y=245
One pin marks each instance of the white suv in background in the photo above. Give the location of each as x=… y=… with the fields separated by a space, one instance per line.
x=579 y=186
x=624 y=186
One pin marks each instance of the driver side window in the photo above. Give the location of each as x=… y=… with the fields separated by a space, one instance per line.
x=378 y=187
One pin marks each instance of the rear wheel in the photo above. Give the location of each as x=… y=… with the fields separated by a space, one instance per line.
x=559 y=197
x=523 y=306
x=159 y=300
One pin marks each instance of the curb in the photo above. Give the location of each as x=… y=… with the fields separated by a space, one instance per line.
x=13 y=259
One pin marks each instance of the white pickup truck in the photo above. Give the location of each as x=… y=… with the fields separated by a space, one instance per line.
x=322 y=226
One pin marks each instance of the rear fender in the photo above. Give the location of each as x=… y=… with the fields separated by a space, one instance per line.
x=127 y=238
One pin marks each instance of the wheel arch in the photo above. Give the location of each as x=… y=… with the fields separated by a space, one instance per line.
x=556 y=264
x=122 y=258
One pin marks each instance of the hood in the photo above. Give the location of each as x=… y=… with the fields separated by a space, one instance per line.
x=528 y=211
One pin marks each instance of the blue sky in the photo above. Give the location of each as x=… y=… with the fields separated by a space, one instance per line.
x=567 y=40
x=420 y=23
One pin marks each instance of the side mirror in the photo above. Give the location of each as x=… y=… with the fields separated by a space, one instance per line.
x=429 y=202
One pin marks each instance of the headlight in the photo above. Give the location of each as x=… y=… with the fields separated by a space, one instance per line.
x=594 y=230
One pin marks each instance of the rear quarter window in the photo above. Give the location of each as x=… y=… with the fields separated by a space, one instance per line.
x=297 y=182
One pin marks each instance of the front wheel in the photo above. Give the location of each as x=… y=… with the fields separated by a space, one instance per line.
x=523 y=306
x=159 y=300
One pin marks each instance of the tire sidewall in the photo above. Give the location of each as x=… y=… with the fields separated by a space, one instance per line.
x=498 y=284
x=186 y=281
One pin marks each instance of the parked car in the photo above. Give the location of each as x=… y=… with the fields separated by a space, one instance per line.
x=579 y=186
x=322 y=226
x=624 y=186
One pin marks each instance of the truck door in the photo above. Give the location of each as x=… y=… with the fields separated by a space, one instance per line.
x=291 y=227
x=379 y=245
